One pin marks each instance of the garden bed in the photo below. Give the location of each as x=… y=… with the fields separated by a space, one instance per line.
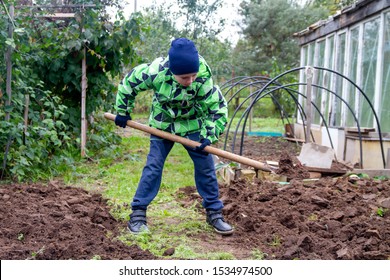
x=329 y=218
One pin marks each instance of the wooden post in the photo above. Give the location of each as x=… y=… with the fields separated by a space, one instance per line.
x=83 y=103
x=8 y=59
x=309 y=81
x=26 y=108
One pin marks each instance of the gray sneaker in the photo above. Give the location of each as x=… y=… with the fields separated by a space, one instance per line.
x=215 y=219
x=137 y=222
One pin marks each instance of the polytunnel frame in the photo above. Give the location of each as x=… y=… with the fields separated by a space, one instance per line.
x=260 y=94
x=257 y=80
x=258 y=98
x=301 y=111
x=241 y=79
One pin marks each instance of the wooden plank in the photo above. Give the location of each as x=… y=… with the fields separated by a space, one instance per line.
x=83 y=103
x=325 y=170
x=372 y=172
x=56 y=6
x=315 y=175
x=363 y=130
x=26 y=107
x=294 y=139
x=59 y=15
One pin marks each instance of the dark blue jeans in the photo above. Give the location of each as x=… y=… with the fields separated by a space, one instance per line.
x=205 y=177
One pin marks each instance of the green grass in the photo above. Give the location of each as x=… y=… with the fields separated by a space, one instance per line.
x=259 y=124
x=258 y=255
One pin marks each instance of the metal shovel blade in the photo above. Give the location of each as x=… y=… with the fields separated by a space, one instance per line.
x=314 y=155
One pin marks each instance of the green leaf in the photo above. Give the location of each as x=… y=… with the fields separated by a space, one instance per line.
x=10 y=42
x=20 y=172
x=60 y=124
x=8 y=108
x=88 y=34
x=19 y=30
x=53 y=137
x=47 y=114
x=380 y=212
x=363 y=176
x=382 y=177
x=24 y=161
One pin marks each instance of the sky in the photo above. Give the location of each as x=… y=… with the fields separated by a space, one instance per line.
x=229 y=11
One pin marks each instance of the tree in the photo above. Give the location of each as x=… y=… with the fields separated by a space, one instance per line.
x=268 y=27
x=269 y=47
x=199 y=18
x=47 y=69
x=58 y=49
x=161 y=30
x=193 y=19
x=332 y=6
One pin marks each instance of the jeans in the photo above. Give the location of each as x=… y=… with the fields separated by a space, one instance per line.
x=205 y=176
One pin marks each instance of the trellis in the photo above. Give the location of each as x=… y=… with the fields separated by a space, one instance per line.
x=84 y=82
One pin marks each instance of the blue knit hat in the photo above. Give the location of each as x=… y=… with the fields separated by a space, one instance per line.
x=183 y=57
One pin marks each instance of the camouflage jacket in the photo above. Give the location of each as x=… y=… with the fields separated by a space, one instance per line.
x=176 y=109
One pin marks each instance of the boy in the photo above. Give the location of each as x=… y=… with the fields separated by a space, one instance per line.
x=187 y=103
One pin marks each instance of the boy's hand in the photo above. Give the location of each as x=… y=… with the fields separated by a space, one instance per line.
x=122 y=120
x=204 y=142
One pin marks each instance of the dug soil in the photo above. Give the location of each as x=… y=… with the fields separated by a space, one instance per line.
x=54 y=222
x=334 y=217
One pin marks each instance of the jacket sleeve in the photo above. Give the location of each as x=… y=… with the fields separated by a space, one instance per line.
x=215 y=111
x=136 y=81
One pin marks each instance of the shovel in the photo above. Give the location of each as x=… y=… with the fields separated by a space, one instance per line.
x=317 y=156
x=312 y=154
x=193 y=144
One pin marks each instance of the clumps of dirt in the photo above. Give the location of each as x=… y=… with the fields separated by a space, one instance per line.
x=57 y=222
x=327 y=219
x=290 y=169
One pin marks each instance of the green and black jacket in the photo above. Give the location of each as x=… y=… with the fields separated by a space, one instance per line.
x=180 y=110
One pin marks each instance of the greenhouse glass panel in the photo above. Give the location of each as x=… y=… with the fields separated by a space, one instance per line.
x=328 y=78
x=384 y=107
x=369 y=62
x=310 y=54
x=340 y=67
x=353 y=58
x=304 y=55
x=309 y=62
x=305 y=52
x=319 y=82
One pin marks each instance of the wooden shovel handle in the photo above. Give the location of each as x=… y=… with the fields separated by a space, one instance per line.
x=190 y=143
